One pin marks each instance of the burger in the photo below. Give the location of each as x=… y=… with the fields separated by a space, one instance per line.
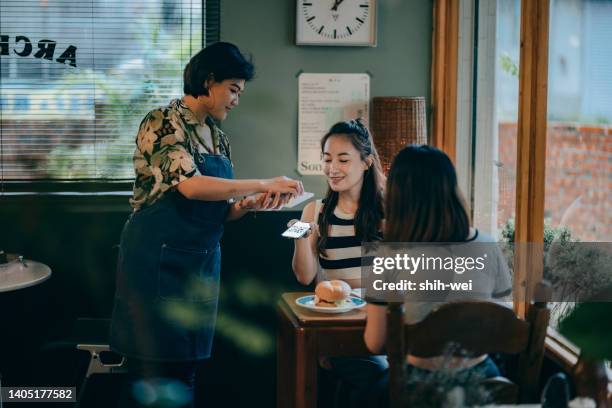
x=333 y=293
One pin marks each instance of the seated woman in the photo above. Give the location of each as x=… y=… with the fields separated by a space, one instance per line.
x=352 y=212
x=424 y=204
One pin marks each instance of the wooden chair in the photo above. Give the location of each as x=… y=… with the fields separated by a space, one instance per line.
x=591 y=380
x=477 y=327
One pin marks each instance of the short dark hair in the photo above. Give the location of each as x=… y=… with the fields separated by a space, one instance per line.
x=219 y=61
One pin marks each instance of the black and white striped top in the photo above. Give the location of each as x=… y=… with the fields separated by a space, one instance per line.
x=343 y=248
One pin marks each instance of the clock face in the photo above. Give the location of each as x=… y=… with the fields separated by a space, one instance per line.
x=336 y=22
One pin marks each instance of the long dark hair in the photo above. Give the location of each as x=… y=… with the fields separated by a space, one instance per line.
x=371 y=204
x=423 y=202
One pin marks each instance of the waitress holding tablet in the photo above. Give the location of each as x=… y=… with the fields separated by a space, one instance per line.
x=169 y=260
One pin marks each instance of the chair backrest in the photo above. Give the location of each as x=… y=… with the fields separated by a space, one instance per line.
x=479 y=327
x=476 y=327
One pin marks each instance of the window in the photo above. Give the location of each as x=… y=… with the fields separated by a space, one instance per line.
x=579 y=141
x=77 y=78
x=567 y=183
x=487 y=110
x=578 y=193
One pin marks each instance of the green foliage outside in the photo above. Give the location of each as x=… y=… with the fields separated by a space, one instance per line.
x=576 y=272
x=125 y=97
x=508 y=65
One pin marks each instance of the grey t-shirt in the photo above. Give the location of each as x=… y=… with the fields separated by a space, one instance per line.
x=493 y=283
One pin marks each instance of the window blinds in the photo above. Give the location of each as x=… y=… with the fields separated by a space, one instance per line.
x=77 y=78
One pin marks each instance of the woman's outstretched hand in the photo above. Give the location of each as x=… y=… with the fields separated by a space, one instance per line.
x=284 y=185
x=263 y=201
x=279 y=191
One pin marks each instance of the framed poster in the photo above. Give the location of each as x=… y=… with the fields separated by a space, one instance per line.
x=325 y=99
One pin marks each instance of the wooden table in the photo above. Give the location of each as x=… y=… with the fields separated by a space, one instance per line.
x=303 y=337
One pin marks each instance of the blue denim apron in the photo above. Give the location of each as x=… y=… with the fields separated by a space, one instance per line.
x=168 y=275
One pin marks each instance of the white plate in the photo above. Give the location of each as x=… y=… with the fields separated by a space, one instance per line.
x=307 y=302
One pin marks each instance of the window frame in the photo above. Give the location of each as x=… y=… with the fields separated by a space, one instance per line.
x=444 y=69
x=531 y=144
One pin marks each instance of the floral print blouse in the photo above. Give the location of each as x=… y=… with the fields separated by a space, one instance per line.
x=166 y=144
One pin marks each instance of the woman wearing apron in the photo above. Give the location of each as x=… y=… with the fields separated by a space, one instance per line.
x=169 y=259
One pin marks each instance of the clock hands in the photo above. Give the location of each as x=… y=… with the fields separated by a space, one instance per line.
x=336 y=4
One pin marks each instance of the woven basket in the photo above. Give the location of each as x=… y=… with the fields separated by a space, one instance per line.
x=397 y=122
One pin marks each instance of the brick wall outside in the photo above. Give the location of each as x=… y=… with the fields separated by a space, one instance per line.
x=578 y=178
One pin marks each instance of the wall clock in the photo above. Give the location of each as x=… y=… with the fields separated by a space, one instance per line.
x=336 y=22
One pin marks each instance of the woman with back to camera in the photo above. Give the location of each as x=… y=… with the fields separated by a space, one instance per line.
x=169 y=259
x=424 y=204
x=351 y=213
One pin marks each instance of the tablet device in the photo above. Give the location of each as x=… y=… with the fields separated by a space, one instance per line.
x=299 y=199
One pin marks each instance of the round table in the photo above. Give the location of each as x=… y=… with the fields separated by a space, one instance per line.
x=21 y=273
